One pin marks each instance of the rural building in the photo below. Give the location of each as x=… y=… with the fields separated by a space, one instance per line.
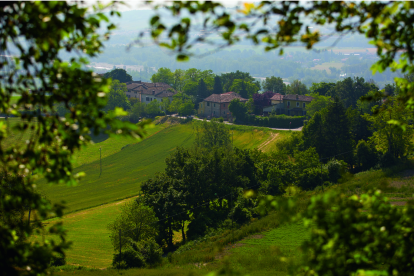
x=146 y=92
x=276 y=105
x=295 y=105
x=292 y=105
x=217 y=105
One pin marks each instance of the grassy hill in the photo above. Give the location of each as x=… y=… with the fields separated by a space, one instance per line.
x=123 y=171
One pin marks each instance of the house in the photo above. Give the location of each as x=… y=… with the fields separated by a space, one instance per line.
x=295 y=105
x=276 y=105
x=146 y=92
x=217 y=105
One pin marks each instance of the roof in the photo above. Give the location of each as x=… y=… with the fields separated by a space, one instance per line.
x=277 y=97
x=224 y=98
x=157 y=89
x=301 y=98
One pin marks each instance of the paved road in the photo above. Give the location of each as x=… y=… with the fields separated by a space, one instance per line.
x=227 y=123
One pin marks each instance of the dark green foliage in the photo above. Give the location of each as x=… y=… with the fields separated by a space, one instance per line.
x=118 y=74
x=239 y=110
x=366 y=155
x=117 y=97
x=129 y=258
x=37 y=35
x=311 y=178
x=329 y=132
x=276 y=121
x=218 y=86
x=58 y=260
x=322 y=88
x=202 y=91
x=387 y=160
x=335 y=170
x=212 y=134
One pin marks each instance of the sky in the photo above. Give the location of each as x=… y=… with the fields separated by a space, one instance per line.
x=140 y=5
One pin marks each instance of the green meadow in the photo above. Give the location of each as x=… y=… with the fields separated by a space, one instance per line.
x=95 y=201
x=130 y=164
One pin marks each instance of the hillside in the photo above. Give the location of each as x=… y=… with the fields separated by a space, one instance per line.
x=123 y=171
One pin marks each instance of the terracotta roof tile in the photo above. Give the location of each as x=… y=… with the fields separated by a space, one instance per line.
x=298 y=97
x=224 y=98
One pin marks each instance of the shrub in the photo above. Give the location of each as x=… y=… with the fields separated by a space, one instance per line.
x=58 y=260
x=221 y=119
x=138 y=254
x=335 y=170
x=311 y=178
x=129 y=258
x=387 y=160
x=366 y=155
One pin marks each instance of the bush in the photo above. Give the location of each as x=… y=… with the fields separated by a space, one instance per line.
x=138 y=254
x=387 y=160
x=335 y=170
x=366 y=155
x=129 y=258
x=221 y=119
x=58 y=260
x=311 y=178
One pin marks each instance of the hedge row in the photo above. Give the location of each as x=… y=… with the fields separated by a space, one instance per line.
x=274 y=121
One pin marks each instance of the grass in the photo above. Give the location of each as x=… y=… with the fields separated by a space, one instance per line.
x=123 y=171
x=326 y=65
x=110 y=146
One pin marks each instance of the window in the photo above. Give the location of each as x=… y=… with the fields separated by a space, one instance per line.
x=151 y=99
x=161 y=100
x=303 y=105
x=288 y=104
x=224 y=105
x=224 y=112
x=208 y=104
x=214 y=105
x=147 y=99
x=214 y=112
x=297 y=104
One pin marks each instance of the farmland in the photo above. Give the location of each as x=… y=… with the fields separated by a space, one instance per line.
x=326 y=65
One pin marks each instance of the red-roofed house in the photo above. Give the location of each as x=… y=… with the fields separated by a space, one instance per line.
x=146 y=92
x=217 y=105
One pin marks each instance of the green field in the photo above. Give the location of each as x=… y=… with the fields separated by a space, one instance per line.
x=122 y=174
x=326 y=65
x=123 y=171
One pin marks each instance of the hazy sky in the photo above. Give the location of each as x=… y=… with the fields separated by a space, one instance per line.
x=139 y=5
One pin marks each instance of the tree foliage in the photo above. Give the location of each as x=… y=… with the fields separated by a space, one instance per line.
x=34 y=35
x=118 y=74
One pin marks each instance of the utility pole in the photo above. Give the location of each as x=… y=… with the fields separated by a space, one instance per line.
x=100 y=162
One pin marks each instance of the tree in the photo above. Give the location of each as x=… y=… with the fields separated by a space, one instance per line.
x=387 y=137
x=218 y=86
x=163 y=75
x=118 y=74
x=318 y=103
x=228 y=79
x=117 y=97
x=202 y=91
x=38 y=34
x=245 y=89
x=238 y=109
x=296 y=88
x=394 y=51
x=337 y=133
x=322 y=88
x=153 y=108
x=212 y=134
x=178 y=79
x=136 y=111
x=274 y=84
x=135 y=223
x=182 y=104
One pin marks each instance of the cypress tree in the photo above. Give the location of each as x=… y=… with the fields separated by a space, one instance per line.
x=218 y=86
